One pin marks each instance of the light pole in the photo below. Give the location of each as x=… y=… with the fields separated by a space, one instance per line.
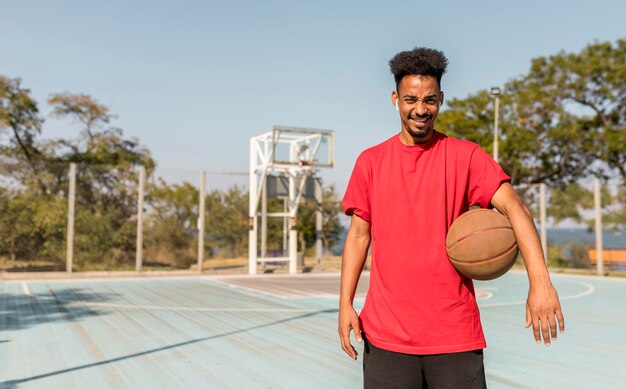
x=495 y=92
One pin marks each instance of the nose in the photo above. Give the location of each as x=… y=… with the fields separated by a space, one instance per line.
x=421 y=108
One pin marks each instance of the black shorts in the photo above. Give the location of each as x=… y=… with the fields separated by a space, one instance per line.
x=388 y=369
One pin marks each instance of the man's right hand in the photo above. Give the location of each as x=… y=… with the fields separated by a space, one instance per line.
x=349 y=320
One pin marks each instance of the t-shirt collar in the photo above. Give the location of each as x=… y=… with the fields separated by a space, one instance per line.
x=420 y=146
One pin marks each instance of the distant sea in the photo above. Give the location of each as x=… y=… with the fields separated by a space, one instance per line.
x=610 y=240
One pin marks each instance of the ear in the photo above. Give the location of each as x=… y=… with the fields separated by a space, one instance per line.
x=440 y=98
x=394 y=97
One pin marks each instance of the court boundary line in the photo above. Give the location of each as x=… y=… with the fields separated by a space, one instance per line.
x=25 y=289
x=590 y=289
x=193 y=309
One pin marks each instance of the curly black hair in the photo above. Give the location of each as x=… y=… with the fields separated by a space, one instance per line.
x=421 y=61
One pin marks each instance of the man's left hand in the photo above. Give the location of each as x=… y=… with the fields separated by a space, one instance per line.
x=543 y=310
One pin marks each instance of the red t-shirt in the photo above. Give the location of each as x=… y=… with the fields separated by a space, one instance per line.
x=417 y=302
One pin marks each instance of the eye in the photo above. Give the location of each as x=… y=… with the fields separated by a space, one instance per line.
x=431 y=101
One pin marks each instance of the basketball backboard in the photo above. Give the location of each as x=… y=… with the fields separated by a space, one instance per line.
x=302 y=147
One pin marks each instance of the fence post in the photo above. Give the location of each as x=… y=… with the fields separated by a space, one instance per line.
x=319 y=223
x=201 y=210
x=597 y=201
x=140 y=195
x=69 y=257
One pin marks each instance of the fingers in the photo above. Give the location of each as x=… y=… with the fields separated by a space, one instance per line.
x=349 y=320
x=552 y=323
x=559 y=316
x=545 y=328
x=536 y=330
x=344 y=335
x=543 y=310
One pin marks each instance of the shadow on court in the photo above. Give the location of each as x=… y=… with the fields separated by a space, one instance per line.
x=14 y=383
x=23 y=311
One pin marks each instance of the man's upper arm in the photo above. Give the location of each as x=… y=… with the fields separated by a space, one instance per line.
x=356 y=200
x=485 y=178
x=359 y=228
x=505 y=198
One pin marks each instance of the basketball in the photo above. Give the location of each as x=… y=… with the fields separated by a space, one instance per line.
x=481 y=244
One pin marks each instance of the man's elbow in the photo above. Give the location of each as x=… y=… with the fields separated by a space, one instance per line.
x=361 y=238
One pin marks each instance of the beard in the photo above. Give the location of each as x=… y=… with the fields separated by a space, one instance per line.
x=421 y=133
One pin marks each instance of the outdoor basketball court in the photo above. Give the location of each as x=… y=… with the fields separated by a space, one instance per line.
x=275 y=331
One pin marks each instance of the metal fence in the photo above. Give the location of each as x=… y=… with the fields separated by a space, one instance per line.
x=580 y=243
x=76 y=218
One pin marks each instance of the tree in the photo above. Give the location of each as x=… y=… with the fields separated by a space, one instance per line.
x=594 y=80
x=227 y=222
x=563 y=122
x=539 y=140
x=331 y=227
x=19 y=113
x=106 y=182
x=170 y=228
x=82 y=108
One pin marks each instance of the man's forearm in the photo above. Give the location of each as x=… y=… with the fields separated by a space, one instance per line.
x=353 y=259
x=528 y=242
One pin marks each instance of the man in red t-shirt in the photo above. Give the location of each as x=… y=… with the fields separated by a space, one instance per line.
x=420 y=321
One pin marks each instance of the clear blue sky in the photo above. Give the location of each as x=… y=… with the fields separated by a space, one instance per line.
x=194 y=80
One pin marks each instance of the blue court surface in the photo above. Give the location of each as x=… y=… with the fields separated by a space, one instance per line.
x=275 y=331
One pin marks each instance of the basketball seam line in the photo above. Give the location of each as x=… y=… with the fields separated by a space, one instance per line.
x=490 y=258
x=479 y=231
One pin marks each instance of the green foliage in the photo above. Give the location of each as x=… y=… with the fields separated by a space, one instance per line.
x=577 y=255
x=37 y=170
x=170 y=226
x=331 y=227
x=561 y=123
x=227 y=222
x=20 y=115
x=567 y=201
x=556 y=256
x=32 y=225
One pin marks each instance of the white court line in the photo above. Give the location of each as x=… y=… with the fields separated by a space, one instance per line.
x=25 y=289
x=198 y=309
x=304 y=280
x=288 y=293
x=485 y=295
x=590 y=290
x=259 y=291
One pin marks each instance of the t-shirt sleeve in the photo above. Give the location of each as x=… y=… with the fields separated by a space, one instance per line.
x=485 y=177
x=356 y=201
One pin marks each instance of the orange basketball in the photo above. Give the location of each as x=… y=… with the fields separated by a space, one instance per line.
x=481 y=244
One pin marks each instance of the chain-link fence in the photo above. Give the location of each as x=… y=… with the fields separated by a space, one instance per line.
x=33 y=216
x=55 y=217
x=105 y=218
x=581 y=224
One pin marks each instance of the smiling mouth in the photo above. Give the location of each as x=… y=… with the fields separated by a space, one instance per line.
x=420 y=120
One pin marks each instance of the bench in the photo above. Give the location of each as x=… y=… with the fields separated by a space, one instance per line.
x=609 y=256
